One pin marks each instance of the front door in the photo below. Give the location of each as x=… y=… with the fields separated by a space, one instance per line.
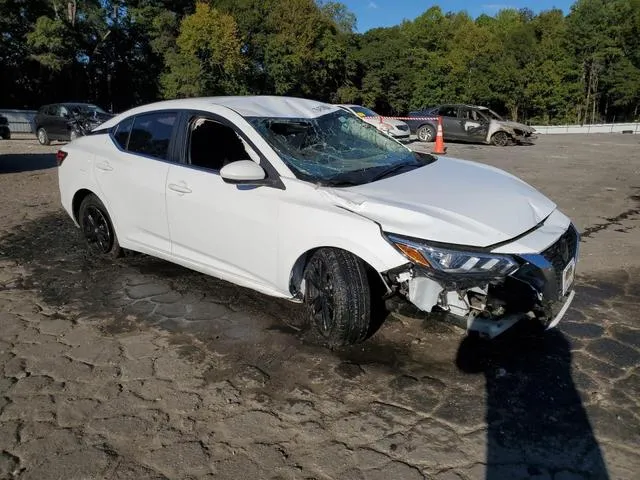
x=451 y=127
x=226 y=229
x=132 y=175
x=474 y=125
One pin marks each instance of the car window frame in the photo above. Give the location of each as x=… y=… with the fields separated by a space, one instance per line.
x=447 y=107
x=272 y=178
x=171 y=153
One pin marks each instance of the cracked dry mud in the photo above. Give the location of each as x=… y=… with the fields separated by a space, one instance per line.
x=140 y=369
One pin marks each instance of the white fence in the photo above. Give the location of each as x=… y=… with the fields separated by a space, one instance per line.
x=20 y=121
x=595 y=128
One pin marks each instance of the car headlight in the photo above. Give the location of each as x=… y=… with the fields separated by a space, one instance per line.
x=453 y=261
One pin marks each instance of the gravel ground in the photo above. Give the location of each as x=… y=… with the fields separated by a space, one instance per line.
x=141 y=369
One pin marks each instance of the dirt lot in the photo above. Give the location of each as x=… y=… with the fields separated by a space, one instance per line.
x=142 y=369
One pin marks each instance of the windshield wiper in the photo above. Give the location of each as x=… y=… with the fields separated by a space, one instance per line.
x=392 y=169
x=338 y=183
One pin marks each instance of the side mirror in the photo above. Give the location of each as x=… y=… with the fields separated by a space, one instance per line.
x=242 y=171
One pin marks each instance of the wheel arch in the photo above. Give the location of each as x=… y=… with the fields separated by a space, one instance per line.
x=78 y=197
x=296 y=272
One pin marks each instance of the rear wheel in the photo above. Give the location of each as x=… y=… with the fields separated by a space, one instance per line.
x=426 y=133
x=6 y=135
x=500 y=139
x=97 y=228
x=43 y=137
x=337 y=297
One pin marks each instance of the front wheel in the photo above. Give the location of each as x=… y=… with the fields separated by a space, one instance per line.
x=337 y=297
x=500 y=139
x=97 y=228
x=43 y=137
x=426 y=133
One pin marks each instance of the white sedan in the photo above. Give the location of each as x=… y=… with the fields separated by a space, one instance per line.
x=391 y=126
x=299 y=199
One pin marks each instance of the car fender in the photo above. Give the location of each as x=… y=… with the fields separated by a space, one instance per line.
x=317 y=220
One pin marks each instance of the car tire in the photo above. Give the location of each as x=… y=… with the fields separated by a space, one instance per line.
x=43 y=137
x=500 y=139
x=97 y=228
x=426 y=133
x=6 y=135
x=337 y=297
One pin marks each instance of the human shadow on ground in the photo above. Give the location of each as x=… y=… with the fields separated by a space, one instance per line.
x=537 y=426
x=26 y=162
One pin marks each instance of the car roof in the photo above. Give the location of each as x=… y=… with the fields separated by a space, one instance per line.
x=67 y=104
x=246 y=106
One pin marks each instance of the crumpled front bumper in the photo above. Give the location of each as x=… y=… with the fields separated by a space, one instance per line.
x=541 y=289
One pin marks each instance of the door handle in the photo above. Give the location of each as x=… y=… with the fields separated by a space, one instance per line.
x=179 y=187
x=104 y=166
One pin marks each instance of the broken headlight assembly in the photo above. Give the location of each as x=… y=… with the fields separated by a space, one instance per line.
x=437 y=260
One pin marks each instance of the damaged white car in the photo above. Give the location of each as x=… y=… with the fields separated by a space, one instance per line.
x=302 y=200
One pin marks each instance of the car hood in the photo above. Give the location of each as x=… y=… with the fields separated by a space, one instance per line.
x=450 y=201
x=517 y=126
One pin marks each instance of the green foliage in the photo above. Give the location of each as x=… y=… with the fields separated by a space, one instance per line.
x=50 y=43
x=546 y=67
x=207 y=60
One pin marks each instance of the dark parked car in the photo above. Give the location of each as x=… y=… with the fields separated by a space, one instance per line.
x=66 y=121
x=5 y=132
x=469 y=123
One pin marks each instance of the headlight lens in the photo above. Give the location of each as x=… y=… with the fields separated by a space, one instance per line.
x=453 y=261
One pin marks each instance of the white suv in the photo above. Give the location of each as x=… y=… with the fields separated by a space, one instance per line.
x=299 y=199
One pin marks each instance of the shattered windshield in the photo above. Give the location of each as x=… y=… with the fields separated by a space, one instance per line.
x=86 y=110
x=337 y=149
x=490 y=114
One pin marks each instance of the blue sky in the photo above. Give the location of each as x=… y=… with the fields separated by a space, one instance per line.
x=385 y=13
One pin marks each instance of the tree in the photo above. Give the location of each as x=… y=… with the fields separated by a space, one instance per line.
x=208 y=60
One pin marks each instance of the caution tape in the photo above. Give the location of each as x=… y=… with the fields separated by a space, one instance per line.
x=382 y=118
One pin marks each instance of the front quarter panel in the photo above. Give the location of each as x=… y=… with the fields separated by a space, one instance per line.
x=310 y=220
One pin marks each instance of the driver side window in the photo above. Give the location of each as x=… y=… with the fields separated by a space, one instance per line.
x=448 y=111
x=213 y=145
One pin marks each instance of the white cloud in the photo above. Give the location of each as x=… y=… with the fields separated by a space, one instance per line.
x=372 y=5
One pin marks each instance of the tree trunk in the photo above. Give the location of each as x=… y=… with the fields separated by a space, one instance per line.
x=72 y=6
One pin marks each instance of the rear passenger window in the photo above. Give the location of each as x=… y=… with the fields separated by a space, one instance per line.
x=121 y=135
x=151 y=133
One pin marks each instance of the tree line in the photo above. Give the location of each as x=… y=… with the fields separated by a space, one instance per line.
x=549 y=67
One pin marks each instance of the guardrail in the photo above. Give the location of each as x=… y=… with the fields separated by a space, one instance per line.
x=633 y=127
x=20 y=121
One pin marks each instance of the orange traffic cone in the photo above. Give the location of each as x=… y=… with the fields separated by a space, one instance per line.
x=439 y=149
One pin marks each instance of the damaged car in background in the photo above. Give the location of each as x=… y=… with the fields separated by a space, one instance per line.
x=301 y=200
x=469 y=123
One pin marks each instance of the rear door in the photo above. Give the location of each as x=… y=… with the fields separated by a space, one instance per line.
x=132 y=175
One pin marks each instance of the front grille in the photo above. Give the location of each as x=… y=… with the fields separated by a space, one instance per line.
x=404 y=128
x=561 y=252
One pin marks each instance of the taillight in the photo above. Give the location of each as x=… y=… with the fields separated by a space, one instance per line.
x=60 y=156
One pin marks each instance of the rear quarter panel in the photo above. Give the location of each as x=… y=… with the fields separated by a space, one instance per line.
x=76 y=172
